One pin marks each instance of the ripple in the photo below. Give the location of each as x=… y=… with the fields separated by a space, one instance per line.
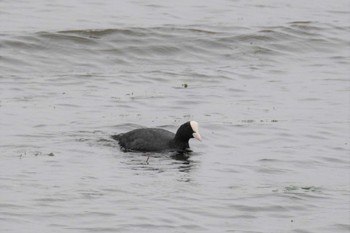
x=270 y=96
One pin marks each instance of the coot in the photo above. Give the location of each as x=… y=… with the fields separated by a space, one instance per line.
x=157 y=140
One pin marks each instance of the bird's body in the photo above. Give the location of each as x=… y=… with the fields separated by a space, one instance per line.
x=157 y=140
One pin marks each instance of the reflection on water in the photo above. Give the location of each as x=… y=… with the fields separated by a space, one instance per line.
x=160 y=162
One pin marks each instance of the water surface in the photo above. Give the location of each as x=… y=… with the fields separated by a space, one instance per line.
x=268 y=83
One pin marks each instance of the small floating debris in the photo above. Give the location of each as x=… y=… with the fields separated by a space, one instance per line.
x=184 y=85
x=261 y=121
x=35 y=153
x=293 y=188
x=248 y=121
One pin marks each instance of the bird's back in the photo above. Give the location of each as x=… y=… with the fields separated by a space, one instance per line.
x=145 y=139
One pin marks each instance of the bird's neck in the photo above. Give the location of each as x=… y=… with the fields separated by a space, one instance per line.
x=180 y=144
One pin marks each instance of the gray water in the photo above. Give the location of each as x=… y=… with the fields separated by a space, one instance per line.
x=268 y=82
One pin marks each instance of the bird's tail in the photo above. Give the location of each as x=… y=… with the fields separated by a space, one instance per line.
x=116 y=137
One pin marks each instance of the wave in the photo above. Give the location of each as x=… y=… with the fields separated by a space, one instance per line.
x=169 y=45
